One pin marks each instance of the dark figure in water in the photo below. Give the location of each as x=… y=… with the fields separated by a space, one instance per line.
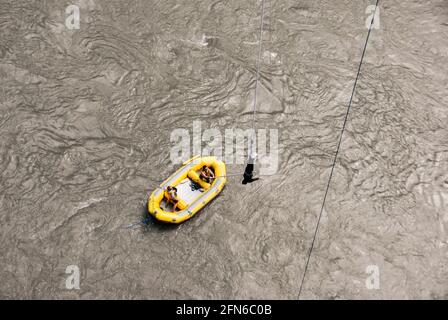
x=249 y=171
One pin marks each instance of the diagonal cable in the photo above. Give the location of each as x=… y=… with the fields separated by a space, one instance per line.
x=337 y=151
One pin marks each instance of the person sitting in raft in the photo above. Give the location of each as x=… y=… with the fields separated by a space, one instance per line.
x=172 y=196
x=207 y=174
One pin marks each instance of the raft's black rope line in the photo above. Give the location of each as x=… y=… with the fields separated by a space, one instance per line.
x=239 y=174
x=337 y=150
x=229 y=175
x=223 y=176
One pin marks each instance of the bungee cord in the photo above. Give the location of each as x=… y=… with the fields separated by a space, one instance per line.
x=337 y=150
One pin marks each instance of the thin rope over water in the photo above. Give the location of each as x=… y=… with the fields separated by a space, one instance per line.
x=337 y=150
x=257 y=79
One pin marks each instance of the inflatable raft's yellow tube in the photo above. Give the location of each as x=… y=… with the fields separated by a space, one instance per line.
x=188 y=172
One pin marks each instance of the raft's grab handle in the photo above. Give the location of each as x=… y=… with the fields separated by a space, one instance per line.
x=190 y=160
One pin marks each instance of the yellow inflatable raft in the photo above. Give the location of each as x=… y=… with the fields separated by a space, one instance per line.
x=192 y=192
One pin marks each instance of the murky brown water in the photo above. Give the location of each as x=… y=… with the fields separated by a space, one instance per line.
x=85 y=122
